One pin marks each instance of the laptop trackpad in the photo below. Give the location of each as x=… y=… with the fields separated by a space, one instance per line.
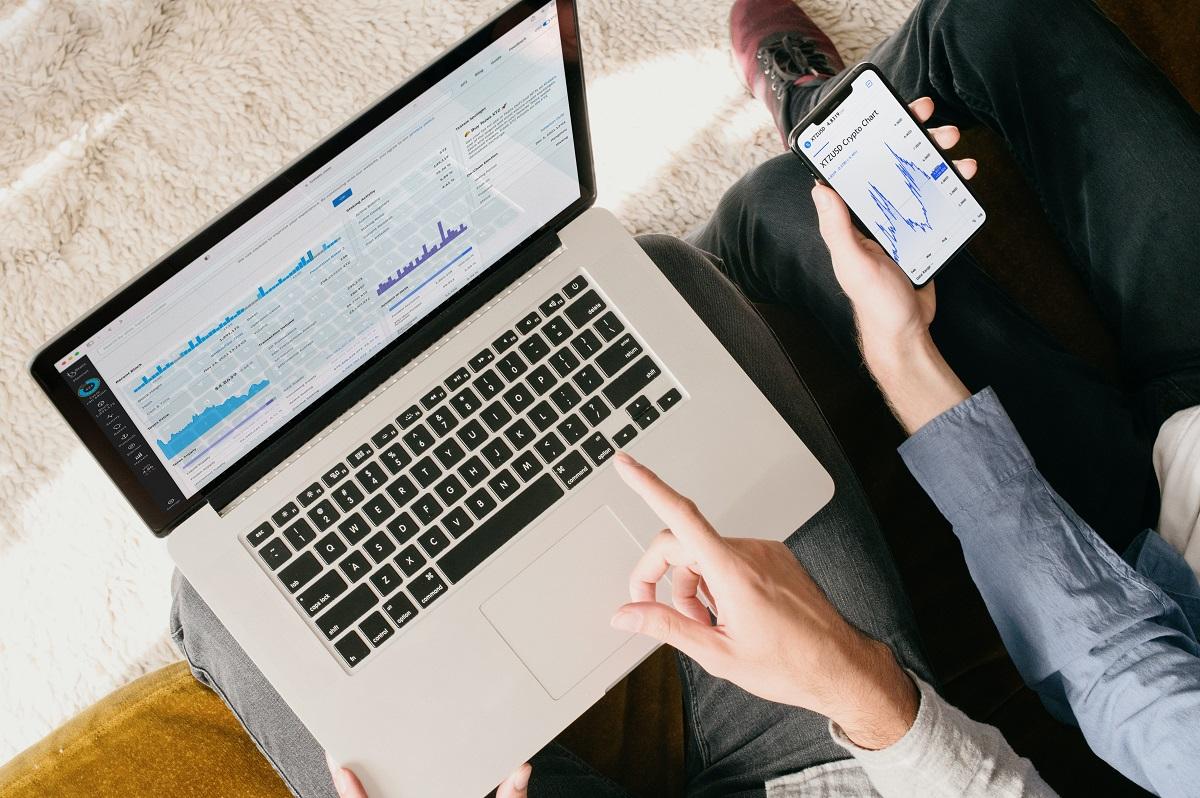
x=554 y=614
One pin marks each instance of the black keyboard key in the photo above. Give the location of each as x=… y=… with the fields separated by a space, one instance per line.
x=609 y=326
x=433 y=398
x=586 y=344
x=527 y=466
x=355 y=566
x=669 y=399
x=496 y=452
x=624 y=435
x=481 y=360
x=260 y=533
x=572 y=469
x=550 y=447
x=588 y=379
x=584 y=309
x=465 y=402
x=496 y=415
x=481 y=503
x=335 y=475
x=409 y=417
x=488 y=384
x=341 y=616
x=595 y=410
x=352 y=648
x=348 y=496
x=543 y=416
x=449 y=453
x=632 y=381
x=442 y=420
x=324 y=514
x=331 y=547
x=450 y=490
x=472 y=434
x=520 y=434
x=534 y=348
x=473 y=471
x=384 y=435
x=372 y=477
x=615 y=358
x=529 y=323
x=375 y=629
x=457 y=522
x=400 y=609
x=427 y=588
x=572 y=429
x=426 y=508
x=419 y=439
x=300 y=534
x=354 y=528
x=395 y=457
x=426 y=471
x=402 y=490
x=275 y=553
x=508 y=521
x=322 y=591
x=504 y=341
x=285 y=513
x=518 y=398
x=402 y=527
x=433 y=542
x=541 y=380
x=378 y=509
x=380 y=547
x=574 y=287
x=552 y=304
x=311 y=494
x=504 y=484
x=386 y=579
x=564 y=361
x=410 y=560
x=565 y=398
x=638 y=407
x=598 y=448
x=647 y=418
x=303 y=570
x=458 y=379
x=511 y=366
x=557 y=330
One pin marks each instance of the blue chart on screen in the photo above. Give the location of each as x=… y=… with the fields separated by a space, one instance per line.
x=207 y=419
x=911 y=213
x=444 y=238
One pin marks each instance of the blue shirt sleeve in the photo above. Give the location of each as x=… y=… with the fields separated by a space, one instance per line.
x=1085 y=629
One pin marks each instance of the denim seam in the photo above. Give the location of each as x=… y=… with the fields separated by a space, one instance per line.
x=701 y=742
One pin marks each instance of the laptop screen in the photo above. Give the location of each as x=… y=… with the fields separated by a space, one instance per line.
x=284 y=308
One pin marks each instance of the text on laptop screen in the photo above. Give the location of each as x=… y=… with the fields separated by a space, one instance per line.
x=235 y=345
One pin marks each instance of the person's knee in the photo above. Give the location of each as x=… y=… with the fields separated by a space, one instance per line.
x=981 y=22
x=782 y=179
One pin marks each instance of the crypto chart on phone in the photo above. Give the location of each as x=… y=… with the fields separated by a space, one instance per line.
x=874 y=155
x=278 y=313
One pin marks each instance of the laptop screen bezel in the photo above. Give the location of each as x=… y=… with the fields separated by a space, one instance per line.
x=298 y=431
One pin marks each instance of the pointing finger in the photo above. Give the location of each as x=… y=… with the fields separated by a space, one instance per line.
x=678 y=512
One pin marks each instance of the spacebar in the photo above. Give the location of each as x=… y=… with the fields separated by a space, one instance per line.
x=500 y=528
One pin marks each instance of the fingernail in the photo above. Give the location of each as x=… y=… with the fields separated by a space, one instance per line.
x=622 y=457
x=520 y=779
x=820 y=198
x=626 y=621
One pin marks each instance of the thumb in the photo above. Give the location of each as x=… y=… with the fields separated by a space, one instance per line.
x=517 y=784
x=836 y=227
x=669 y=626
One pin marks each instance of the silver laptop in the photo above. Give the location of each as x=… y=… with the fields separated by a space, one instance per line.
x=371 y=408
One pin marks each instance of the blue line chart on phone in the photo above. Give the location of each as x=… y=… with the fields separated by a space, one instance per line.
x=922 y=187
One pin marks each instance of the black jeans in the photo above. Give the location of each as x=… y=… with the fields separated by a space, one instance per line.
x=1112 y=152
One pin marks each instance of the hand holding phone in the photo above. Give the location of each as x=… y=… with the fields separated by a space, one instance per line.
x=863 y=142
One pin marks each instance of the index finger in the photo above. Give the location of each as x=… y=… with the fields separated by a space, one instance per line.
x=678 y=512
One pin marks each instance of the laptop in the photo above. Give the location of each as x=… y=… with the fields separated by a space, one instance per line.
x=371 y=409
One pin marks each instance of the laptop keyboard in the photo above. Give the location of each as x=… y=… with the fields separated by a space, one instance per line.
x=378 y=537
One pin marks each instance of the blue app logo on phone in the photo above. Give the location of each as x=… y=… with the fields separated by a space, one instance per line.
x=808 y=145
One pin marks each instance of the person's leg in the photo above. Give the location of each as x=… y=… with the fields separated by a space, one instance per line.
x=219 y=663
x=736 y=742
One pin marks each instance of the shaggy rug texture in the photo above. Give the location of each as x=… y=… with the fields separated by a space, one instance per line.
x=124 y=125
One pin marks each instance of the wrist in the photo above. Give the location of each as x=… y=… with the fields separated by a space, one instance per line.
x=915 y=379
x=883 y=705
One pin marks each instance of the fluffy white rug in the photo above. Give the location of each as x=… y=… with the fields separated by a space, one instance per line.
x=125 y=124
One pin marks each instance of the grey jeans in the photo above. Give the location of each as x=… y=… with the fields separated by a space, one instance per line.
x=735 y=742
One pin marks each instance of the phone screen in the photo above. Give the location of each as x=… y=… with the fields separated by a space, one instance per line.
x=891 y=175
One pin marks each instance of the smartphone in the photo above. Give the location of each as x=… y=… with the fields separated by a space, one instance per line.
x=864 y=143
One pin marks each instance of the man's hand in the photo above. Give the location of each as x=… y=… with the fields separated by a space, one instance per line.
x=775 y=635
x=893 y=318
x=348 y=785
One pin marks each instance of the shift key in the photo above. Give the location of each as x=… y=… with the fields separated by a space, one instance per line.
x=631 y=382
x=341 y=616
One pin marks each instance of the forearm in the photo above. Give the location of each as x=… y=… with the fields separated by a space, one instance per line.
x=913 y=377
